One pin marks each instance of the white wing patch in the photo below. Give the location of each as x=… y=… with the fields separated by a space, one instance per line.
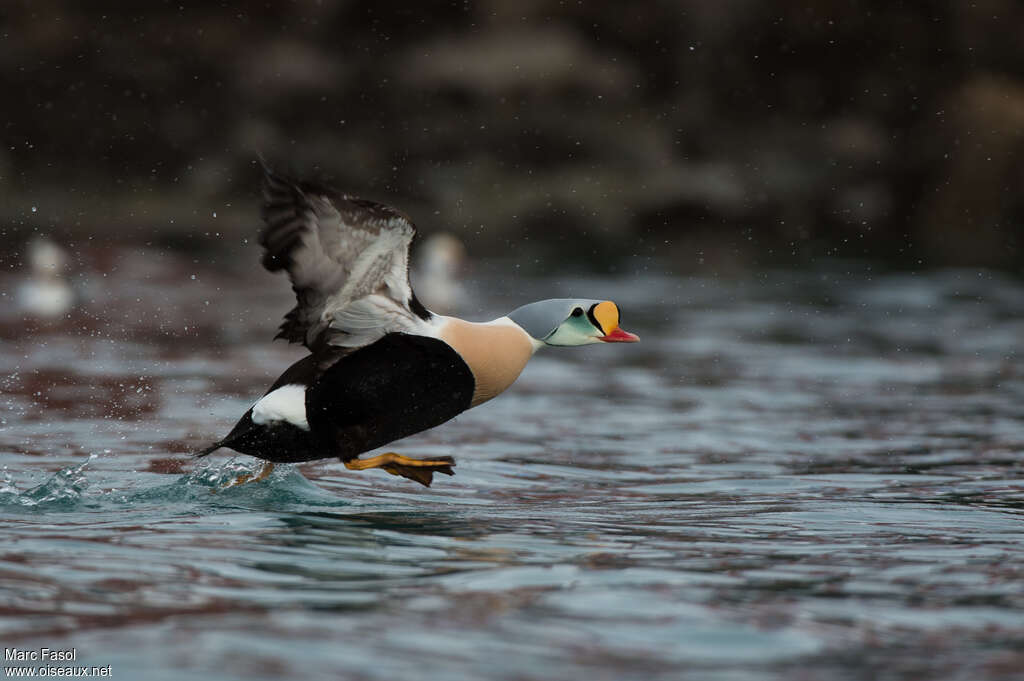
x=287 y=403
x=368 y=319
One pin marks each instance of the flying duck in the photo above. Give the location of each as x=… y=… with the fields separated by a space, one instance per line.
x=380 y=365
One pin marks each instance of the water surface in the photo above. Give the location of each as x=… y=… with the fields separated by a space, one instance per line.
x=794 y=476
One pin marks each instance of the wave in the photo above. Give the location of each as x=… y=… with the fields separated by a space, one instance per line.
x=208 y=486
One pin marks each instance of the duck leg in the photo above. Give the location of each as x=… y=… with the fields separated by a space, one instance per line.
x=420 y=470
x=264 y=473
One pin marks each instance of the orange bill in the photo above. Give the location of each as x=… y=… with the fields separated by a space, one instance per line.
x=607 y=315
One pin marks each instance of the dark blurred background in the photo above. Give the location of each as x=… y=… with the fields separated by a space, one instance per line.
x=733 y=132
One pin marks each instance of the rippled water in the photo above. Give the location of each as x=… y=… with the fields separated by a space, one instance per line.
x=794 y=476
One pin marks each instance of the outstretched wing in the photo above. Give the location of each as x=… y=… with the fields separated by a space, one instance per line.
x=348 y=261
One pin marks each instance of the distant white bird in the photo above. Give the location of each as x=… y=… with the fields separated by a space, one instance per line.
x=45 y=293
x=439 y=263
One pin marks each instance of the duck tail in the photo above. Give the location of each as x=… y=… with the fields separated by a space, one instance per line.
x=209 y=450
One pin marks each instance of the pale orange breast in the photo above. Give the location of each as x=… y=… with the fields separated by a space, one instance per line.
x=495 y=352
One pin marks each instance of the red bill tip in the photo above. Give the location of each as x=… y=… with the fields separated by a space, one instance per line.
x=620 y=336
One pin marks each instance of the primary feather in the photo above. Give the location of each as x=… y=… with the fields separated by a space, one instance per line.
x=348 y=261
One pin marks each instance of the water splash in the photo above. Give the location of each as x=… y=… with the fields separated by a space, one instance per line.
x=208 y=486
x=218 y=478
x=213 y=485
x=63 y=489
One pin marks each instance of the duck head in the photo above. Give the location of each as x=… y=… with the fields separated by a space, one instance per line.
x=567 y=321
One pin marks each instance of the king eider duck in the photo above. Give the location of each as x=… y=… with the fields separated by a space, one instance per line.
x=380 y=365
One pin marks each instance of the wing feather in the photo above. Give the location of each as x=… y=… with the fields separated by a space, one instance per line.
x=347 y=259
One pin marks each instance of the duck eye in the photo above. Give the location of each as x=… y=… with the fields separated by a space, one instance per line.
x=577 y=312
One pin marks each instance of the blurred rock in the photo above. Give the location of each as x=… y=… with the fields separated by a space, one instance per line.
x=783 y=131
x=974 y=212
x=515 y=60
x=284 y=67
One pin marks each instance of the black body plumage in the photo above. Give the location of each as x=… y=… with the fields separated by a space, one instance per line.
x=400 y=385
